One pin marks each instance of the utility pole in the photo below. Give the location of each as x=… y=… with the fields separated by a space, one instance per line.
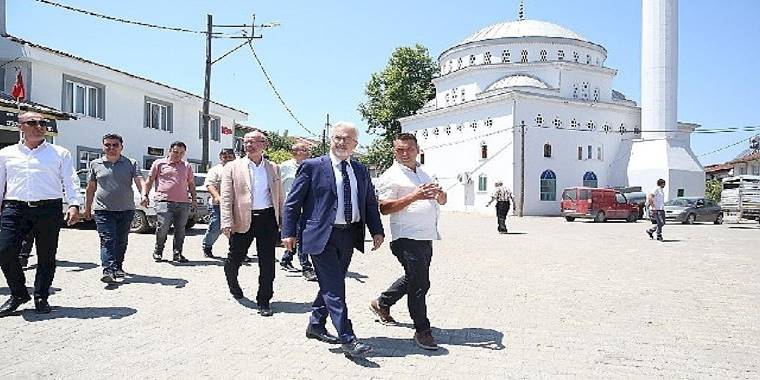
x=324 y=134
x=206 y=117
x=522 y=167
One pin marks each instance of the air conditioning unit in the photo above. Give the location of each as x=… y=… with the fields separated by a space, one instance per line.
x=464 y=178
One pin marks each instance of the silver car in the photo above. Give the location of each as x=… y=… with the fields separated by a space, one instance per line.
x=689 y=210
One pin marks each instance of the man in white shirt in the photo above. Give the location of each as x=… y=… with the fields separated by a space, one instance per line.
x=656 y=205
x=300 y=151
x=32 y=174
x=213 y=183
x=412 y=199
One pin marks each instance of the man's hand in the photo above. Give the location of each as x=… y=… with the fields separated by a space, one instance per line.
x=87 y=213
x=377 y=241
x=194 y=205
x=290 y=243
x=144 y=201
x=72 y=216
x=426 y=191
x=227 y=231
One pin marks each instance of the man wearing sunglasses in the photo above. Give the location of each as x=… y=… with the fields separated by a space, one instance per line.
x=31 y=175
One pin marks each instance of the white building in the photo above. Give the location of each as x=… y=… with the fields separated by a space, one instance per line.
x=149 y=115
x=578 y=129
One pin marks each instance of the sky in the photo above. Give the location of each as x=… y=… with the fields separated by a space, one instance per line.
x=324 y=52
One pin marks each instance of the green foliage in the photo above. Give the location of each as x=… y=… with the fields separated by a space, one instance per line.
x=278 y=156
x=279 y=142
x=379 y=154
x=713 y=188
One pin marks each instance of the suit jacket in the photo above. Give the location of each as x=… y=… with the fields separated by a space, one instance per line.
x=235 y=204
x=310 y=208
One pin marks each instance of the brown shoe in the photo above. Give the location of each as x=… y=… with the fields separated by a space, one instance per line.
x=425 y=340
x=383 y=313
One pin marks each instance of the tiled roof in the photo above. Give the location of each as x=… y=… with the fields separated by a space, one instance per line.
x=747 y=158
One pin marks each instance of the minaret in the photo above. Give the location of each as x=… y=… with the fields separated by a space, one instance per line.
x=521 y=12
x=664 y=150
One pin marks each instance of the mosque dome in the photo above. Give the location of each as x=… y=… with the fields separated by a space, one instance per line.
x=518 y=80
x=523 y=28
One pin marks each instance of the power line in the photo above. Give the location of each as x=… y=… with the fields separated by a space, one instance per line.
x=277 y=93
x=724 y=148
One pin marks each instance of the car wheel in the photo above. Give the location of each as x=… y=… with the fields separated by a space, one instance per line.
x=569 y=218
x=139 y=223
x=690 y=219
x=631 y=218
x=600 y=217
x=719 y=219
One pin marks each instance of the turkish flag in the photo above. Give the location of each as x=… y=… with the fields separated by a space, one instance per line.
x=226 y=131
x=18 y=88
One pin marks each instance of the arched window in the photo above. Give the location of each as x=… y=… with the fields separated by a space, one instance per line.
x=459 y=63
x=589 y=180
x=482 y=182
x=524 y=56
x=448 y=129
x=539 y=120
x=547 y=150
x=575 y=56
x=487 y=58
x=505 y=56
x=548 y=186
x=483 y=150
x=422 y=158
x=561 y=55
x=543 y=55
x=557 y=122
x=472 y=59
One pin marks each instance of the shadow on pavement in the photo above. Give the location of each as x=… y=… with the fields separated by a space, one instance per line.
x=5 y=291
x=153 y=280
x=80 y=313
x=356 y=276
x=670 y=241
x=291 y=307
x=80 y=266
x=743 y=227
x=204 y=263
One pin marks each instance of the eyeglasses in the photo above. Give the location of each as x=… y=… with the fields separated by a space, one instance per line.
x=300 y=150
x=343 y=138
x=36 y=123
x=114 y=145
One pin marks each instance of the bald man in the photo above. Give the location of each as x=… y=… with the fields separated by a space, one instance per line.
x=34 y=178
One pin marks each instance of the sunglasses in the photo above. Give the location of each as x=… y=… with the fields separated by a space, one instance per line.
x=36 y=123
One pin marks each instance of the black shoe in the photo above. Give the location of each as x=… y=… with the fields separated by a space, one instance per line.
x=179 y=258
x=287 y=266
x=309 y=275
x=355 y=348
x=157 y=256
x=650 y=233
x=12 y=304
x=42 y=306
x=320 y=333
x=119 y=273
x=659 y=238
x=108 y=277
x=207 y=253
x=265 y=311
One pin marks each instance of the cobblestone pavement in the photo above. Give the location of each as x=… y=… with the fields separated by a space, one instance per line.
x=551 y=299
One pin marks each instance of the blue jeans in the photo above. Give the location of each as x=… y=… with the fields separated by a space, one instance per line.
x=113 y=228
x=168 y=214
x=213 y=231
x=303 y=258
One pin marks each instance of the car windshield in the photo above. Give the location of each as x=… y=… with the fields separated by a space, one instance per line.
x=82 y=178
x=568 y=194
x=680 y=202
x=199 y=180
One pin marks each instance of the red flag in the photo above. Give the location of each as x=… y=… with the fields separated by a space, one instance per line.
x=18 y=88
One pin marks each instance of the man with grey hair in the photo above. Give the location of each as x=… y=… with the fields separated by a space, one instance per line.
x=331 y=204
x=503 y=198
x=34 y=178
x=300 y=151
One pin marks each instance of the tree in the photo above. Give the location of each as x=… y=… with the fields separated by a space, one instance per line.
x=400 y=89
x=379 y=154
x=279 y=147
x=713 y=188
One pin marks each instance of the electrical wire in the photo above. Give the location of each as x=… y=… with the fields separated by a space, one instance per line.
x=724 y=148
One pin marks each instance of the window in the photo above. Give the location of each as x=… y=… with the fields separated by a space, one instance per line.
x=557 y=122
x=459 y=63
x=524 y=56
x=483 y=150
x=756 y=169
x=454 y=95
x=606 y=128
x=580 y=153
x=599 y=155
x=589 y=154
x=487 y=58
x=576 y=57
x=2 y=79
x=588 y=59
x=637 y=129
x=474 y=125
x=679 y=192
x=584 y=91
x=482 y=182
x=543 y=55
x=596 y=94
x=505 y=56
x=742 y=170
x=589 y=180
x=425 y=134
x=560 y=55
x=422 y=158
x=459 y=127
x=622 y=129
x=448 y=129
x=148 y=161
x=214 y=128
x=575 y=91
x=573 y=124
x=447 y=99
x=472 y=59
x=539 y=120
x=548 y=186
x=547 y=150
x=590 y=125
x=83 y=97
x=85 y=155
x=158 y=115
x=444 y=67
x=435 y=131
x=489 y=122
x=463 y=94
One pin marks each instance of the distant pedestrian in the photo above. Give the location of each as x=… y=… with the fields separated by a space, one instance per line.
x=173 y=180
x=288 y=169
x=34 y=178
x=503 y=198
x=109 y=188
x=213 y=184
x=656 y=205
x=251 y=206
x=412 y=199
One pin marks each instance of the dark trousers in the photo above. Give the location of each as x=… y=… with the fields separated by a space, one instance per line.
x=113 y=228
x=659 y=218
x=16 y=222
x=331 y=266
x=303 y=258
x=414 y=256
x=264 y=229
x=502 y=209
x=26 y=245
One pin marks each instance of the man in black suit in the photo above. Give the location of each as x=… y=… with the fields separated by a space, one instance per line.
x=327 y=209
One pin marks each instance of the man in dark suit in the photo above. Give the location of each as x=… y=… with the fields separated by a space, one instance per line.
x=327 y=209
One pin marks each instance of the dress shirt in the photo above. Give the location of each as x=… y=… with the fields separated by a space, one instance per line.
x=260 y=197
x=658 y=198
x=288 y=170
x=419 y=220
x=45 y=172
x=501 y=194
x=356 y=216
x=214 y=178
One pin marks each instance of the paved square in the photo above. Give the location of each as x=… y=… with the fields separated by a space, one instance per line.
x=551 y=299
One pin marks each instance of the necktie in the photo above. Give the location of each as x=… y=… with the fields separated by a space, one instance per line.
x=347 y=208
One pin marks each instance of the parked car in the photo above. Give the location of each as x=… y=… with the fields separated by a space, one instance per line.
x=145 y=217
x=597 y=204
x=203 y=198
x=740 y=197
x=689 y=210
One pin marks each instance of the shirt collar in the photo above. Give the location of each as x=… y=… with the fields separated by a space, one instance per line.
x=251 y=163
x=21 y=145
x=336 y=161
x=406 y=168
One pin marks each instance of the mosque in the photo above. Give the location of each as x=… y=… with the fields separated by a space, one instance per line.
x=532 y=104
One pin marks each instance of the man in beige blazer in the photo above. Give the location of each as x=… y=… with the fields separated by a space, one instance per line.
x=251 y=204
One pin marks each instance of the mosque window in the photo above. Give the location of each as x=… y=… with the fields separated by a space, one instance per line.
x=448 y=129
x=487 y=58
x=459 y=63
x=547 y=150
x=599 y=155
x=637 y=130
x=580 y=153
x=575 y=91
x=539 y=120
x=590 y=180
x=459 y=127
x=589 y=153
x=454 y=95
x=590 y=125
x=425 y=133
x=489 y=122
x=463 y=94
x=483 y=150
x=560 y=55
x=524 y=56
x=606 y=128
x=588 y=59
x=543 y=55
x=447 y=99
x=597 y=62
x=505 y=56
x=557 y=122
x=422 y=158
x=576 y=57
x=474 y=125
x=472 y=59
x=548 y=186
x=622 y=128
x=584 y=91
x=596 y=94
x=573 y=124
x=482 y=182
x=435 y=131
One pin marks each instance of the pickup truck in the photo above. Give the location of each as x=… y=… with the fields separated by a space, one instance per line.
x=740 y=197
